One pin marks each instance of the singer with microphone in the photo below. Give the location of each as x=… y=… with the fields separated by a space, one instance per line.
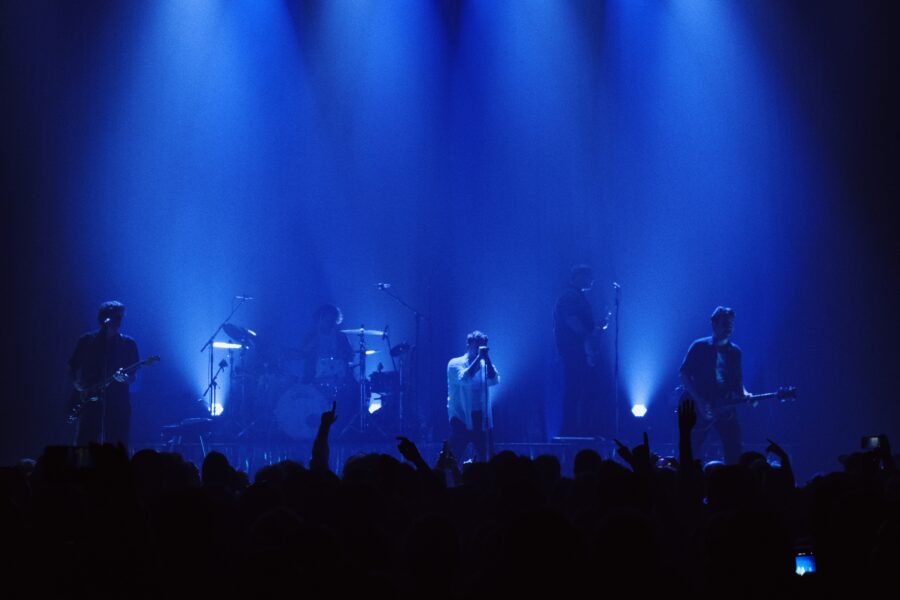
x=99 y=356
x=469 y=379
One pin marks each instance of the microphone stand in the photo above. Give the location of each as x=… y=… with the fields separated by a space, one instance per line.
x=387 y=340
x=486 y=420
x=419 y=317
x=211 y=388
x=618 y=294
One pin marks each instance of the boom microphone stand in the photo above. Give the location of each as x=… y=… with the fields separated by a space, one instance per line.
x=617 y=289
x=414 y=367
x=213 y=375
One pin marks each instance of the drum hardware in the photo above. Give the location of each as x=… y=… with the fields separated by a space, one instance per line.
x=409 y=393
x=400 y=349
x=384 y=382
x=200 y=428
x=240 y=333
x=360 y=422
x=362 y=331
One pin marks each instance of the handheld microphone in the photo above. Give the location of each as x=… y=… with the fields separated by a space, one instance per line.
x=107 y=321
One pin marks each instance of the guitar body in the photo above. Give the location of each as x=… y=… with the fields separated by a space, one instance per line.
x=78 y=399
x=707 y=416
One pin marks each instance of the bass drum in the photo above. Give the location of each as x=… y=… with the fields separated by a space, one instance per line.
x=299 y=411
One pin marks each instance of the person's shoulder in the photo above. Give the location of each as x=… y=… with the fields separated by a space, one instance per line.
x=702 y=342
x=457 y=361
x=87 y=337
x=128 y=339
x=735 y=347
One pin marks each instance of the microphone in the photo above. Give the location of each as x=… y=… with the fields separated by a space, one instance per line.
x=616 y=286
x=107 y=321
x=244 y=298
x=382 y=286
x=385 y=334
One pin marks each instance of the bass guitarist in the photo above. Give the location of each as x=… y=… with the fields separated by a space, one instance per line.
x=711 y=374
x=100 y=357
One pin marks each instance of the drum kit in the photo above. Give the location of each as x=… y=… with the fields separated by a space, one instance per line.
x=280 y=394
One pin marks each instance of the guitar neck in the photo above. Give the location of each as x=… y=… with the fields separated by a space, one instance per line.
x=758 y=397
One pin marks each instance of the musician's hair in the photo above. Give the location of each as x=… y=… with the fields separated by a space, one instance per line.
x=329 y=311
x=721 y=312
x=477 y=335
x=113 y=309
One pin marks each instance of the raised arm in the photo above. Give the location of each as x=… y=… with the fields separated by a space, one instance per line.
x=320 y=450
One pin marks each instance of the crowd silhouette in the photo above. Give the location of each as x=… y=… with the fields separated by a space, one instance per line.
x=92 y=522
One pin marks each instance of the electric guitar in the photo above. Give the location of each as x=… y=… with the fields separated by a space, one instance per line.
x=708 y=415
x=593 y=342
x=95 y=392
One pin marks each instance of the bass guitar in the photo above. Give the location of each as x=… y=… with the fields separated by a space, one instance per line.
x=708 y=415
x=95 y=392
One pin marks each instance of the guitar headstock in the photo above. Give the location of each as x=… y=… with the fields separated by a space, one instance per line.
x=153 y=359
x=786 y=393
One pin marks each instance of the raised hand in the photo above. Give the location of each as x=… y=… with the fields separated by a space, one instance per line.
x=639 y=457
x=329 y=416
x=776 y=450
x=687 y=415
x=623 y=451
x=410 y=452
x=641 y=453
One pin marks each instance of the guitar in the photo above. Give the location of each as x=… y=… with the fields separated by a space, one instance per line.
x=93 y=393
x=592 y=343
x=708 y=415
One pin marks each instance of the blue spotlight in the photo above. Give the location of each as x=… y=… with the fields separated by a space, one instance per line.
x=639 y=410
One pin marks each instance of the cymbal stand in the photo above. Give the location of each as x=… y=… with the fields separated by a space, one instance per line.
x=362 y=379
x=211 y=388
x=361 y=363
x=387 y=340
x=414 y=366
x=213 y=385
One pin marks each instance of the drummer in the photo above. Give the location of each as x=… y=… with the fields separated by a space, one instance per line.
x=326 y=351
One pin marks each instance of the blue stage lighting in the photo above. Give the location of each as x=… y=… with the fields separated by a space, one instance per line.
x=227 y=345
x=639 y=410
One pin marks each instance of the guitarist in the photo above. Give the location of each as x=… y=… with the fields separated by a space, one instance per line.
x=98 y=357
x=573 y=328
x=712 y=376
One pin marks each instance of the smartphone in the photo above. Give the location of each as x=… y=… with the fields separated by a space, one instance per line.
x=804 y=562
x=870 y=442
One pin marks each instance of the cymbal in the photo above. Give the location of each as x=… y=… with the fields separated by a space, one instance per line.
x=401 y=348
x=362 y=331
x=239 y=334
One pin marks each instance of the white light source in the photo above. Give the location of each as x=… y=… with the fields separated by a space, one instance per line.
x=217 y=409
x=639 y=410
x=227 y=345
